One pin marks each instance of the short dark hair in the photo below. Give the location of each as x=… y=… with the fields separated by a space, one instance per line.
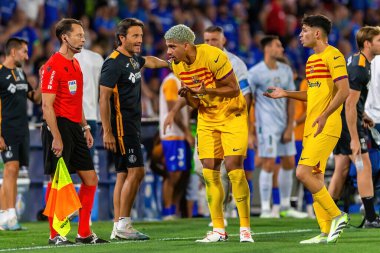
x=124 y=25
x=214 y=28
x=65 y=26
x=14 y=43
x=266 y=40
x=319 y=21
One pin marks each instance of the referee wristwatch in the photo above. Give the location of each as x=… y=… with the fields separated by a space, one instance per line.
x=86 y=127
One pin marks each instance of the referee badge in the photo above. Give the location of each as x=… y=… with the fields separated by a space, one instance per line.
x=72 y=86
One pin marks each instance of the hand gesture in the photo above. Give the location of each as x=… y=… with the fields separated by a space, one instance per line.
x=200 y=90
x=367 y=121
x=109 y=142
x=57 y=146
x=287 y=135
x=275 y=92
x=169 y=120
x=89 y=138
x=321 y=121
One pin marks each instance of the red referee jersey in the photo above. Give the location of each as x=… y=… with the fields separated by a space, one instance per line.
x=64 y=78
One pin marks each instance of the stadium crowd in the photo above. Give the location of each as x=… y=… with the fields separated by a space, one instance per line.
x=244 y=23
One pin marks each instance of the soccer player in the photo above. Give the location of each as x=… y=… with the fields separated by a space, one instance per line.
x=352 y=145
x=274 y=127
x=175 y=144
x=65 y=131
x=209 y=84
x=14 y=130
x=120 y=112
x=214 y=36
x=326 y=74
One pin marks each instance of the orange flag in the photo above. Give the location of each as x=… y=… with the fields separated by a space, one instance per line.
x=62 y=200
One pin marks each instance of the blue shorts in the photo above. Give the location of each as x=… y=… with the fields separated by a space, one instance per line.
x=175 y=152
x=249 y=162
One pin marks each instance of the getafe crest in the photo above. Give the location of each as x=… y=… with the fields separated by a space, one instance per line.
x=134 y=63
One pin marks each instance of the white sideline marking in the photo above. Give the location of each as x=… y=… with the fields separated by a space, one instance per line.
x=163 y=239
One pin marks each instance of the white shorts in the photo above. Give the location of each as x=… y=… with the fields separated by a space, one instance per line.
x=270 y=146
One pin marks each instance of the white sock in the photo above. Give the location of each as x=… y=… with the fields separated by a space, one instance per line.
x=115 y=225
x=265 y=185
x=244 y=228
x=276 y=210
x=123 y=223
x=285 y=184
x=12 y=213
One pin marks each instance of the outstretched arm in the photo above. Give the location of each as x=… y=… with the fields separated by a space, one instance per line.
x=276 y=92
x=153 y=62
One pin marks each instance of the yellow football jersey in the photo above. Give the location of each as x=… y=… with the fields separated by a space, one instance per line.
x=322 y=70
x=211 y=64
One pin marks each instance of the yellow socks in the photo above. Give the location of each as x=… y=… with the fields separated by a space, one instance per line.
x=323 y=218
x=325 y=209
x=324 y=199
x=215 y=195
x=240 y=191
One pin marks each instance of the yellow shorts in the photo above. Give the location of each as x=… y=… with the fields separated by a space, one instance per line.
x=316 y=151
x=225 y=139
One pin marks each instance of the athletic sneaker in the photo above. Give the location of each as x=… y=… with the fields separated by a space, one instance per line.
x=337 y=226
x=213 y=236
x=266 y=214
x=13 y=225
x=113 y=235
x=322 y=238
x=91 y=239
x=130 y=234
x=225 y=223
x=293 y=213
x=245 y=236
x=59 y=240
x=372 y=224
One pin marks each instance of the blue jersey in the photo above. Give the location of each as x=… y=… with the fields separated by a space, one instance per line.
x=270 y=113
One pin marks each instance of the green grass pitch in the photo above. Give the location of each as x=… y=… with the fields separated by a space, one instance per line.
x=270 y=235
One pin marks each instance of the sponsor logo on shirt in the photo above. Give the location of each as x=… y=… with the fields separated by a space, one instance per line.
x=72 y=86
x=50 y=86
x=132 y=77
x=315 y=84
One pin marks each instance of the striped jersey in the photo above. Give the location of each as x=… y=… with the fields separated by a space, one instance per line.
x=211 y=64
x=322 y=71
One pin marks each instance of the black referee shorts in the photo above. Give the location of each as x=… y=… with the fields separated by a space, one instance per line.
x=75 y=151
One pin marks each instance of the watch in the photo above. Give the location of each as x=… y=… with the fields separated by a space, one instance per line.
x=86 y=127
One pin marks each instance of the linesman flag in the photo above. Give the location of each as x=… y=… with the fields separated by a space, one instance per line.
x=62 y=200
